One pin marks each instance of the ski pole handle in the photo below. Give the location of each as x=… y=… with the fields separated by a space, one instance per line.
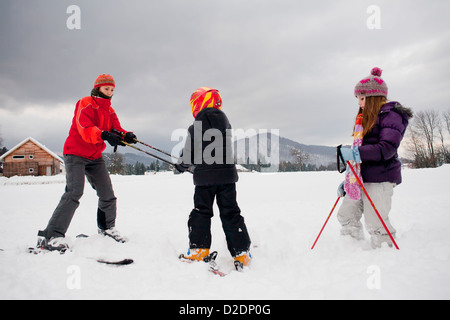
x=340 y=159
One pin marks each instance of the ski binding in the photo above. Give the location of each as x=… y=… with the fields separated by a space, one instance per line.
x=210 y=260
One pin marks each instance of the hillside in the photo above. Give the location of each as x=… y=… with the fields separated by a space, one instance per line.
x=261 y=145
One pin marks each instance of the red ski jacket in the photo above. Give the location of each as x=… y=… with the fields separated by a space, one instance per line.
x=92 y=116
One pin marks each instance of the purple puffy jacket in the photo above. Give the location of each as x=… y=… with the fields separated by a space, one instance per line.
x=379 y=150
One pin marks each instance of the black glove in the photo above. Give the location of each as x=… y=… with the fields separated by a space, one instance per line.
x=130 y=137
x=181 y=167
x=113 y=139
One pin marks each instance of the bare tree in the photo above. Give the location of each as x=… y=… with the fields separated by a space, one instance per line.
x=300 y=157
x=446 y=124
x=446 y=116
x=115 y=163
x=425 y=130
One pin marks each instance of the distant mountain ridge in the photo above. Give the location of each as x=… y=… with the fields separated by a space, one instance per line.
x=318 y=154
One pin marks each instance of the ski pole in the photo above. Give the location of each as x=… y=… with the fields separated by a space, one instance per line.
x=154 y=148
x=121 y=134
x=145 y=144
x=190 y=169
x=335 y=204
x=150 y=154
x=373 y=205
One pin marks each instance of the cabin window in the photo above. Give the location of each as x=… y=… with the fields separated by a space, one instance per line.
x=31 y=170
x=18 y=157
x=30 y=156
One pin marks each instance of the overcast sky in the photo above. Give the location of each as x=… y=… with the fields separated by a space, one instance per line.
x=287 y=64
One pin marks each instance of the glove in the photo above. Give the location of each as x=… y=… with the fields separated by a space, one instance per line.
x=341 y=191
x=130 y=137
x=351 y=154
x=113 y=139
x=181 y=167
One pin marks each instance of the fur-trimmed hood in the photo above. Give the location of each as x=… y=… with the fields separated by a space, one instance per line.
x=397 y=107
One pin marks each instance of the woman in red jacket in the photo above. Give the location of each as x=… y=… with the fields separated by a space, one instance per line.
x=92 y=123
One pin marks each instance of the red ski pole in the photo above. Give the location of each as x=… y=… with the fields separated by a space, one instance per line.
x=335 y=204
x=373 y=205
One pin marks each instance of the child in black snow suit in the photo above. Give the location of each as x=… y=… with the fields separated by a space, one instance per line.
x=208 y=151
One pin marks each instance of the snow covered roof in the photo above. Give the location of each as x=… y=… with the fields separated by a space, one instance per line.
x=54 y=155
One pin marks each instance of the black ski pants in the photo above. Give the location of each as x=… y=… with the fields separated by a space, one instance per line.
x=98 y=176
x=233 y=224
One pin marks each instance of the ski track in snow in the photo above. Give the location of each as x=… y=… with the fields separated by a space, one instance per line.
x=284 y=213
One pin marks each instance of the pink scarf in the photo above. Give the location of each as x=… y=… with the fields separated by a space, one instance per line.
x=351 y=185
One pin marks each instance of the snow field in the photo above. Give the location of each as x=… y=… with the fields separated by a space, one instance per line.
x=284 y=213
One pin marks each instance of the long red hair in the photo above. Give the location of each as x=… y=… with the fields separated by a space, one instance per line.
x=371 y=111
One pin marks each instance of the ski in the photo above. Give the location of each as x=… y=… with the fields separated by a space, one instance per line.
x=239 y=266
x=213 y=268
x=210 y=260
x=119 y=240
x=123 y=262
x=212 y=264
x=42 y=250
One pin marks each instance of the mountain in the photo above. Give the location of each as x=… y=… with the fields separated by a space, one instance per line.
x=259 y=147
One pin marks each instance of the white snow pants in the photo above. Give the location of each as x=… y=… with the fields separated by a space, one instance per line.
x=350 y=212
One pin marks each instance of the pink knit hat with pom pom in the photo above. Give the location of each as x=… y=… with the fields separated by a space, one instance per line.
x=373 y=85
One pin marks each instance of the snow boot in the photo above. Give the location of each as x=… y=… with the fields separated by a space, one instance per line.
x=376 y=241
x=52 y=244
x=354 y=231
x=196 y=254
x=242 y=260
x=113 y=233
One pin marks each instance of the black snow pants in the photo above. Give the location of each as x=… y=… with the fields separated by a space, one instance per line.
x=233 y=224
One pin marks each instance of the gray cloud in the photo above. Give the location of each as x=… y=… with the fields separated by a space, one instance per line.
x=288 y=65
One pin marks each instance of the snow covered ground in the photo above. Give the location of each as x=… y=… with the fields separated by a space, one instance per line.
x=284 y=213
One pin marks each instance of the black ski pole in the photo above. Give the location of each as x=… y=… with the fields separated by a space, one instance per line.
x=150 y=154
x=171 y=164
x=145 y=144
x=154 y=148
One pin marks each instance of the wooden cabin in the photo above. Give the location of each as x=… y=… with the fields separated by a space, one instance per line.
x=31 y=158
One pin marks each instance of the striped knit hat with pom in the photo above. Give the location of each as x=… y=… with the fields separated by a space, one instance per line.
x=104 y=80
x=373 y=85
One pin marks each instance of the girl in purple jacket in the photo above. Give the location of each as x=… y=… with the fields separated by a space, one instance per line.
x=379 y=129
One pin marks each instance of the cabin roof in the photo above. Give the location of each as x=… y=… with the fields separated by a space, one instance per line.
x=54 y=155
